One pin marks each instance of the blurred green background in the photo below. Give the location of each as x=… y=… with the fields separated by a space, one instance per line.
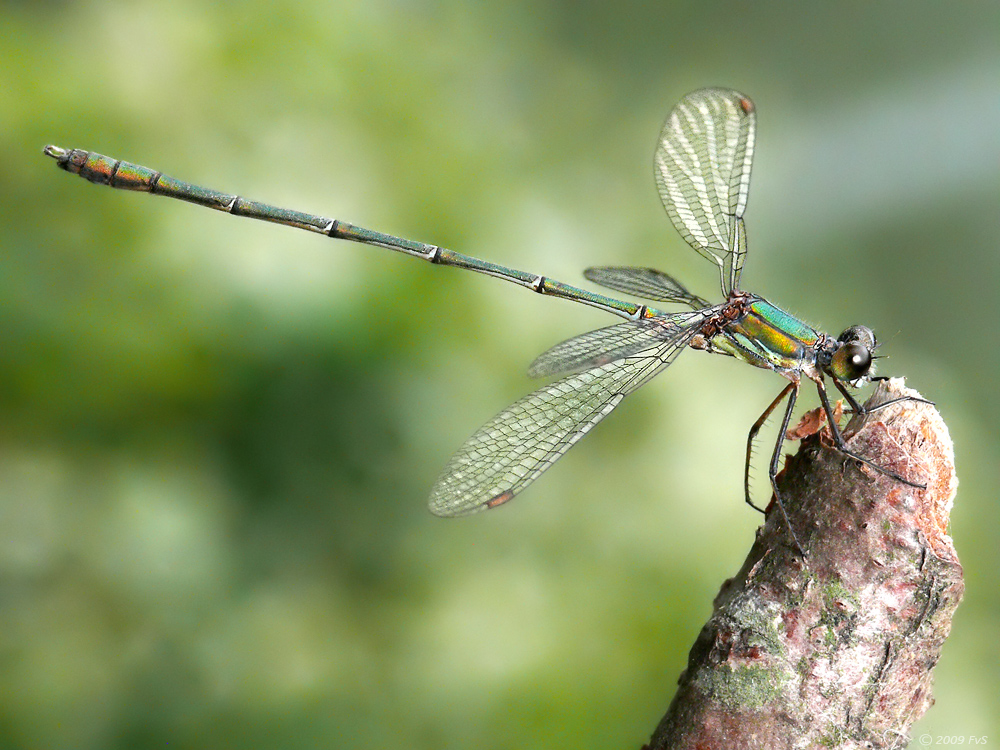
x=218 y=435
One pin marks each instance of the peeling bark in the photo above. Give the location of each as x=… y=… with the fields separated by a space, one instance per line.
x=835 y=650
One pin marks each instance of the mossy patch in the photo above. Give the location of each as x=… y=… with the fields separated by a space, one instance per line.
x=742 y=688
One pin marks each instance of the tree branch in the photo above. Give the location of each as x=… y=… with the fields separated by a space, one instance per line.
x=834 y=650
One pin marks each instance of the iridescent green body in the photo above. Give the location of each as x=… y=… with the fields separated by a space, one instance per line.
x=767 y=336
x=750 y=328
x=702 y=168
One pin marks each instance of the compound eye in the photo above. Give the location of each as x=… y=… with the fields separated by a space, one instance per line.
x=851 y=361
x=858 y=335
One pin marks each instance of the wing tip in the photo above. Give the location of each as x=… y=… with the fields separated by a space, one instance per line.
x=446 y=510
x=500 y=499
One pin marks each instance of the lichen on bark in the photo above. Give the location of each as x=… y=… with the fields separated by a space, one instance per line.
x=836 y=648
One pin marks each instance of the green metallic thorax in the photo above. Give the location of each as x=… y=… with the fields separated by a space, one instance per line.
x=766 y=336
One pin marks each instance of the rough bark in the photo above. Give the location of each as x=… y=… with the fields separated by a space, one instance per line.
x=836 y=649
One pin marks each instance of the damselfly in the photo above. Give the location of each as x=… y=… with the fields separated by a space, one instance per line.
x=702 y=170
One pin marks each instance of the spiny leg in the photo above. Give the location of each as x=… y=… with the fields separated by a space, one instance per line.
x=838 y=438
x=772 y=472
x=858 y=408
x=753 y=434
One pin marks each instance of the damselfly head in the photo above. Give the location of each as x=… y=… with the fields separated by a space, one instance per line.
x=853 y=359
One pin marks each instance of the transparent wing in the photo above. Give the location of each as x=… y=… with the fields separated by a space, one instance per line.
x=596 y=348
x=702 y=169
x=647 y=283
x=739 y=253
x=511 y=450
